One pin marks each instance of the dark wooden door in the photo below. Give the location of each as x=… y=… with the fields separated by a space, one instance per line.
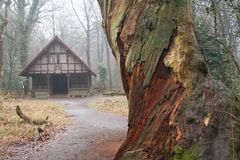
x=59 y=84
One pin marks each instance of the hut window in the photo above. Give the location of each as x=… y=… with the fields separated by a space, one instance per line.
x=62 y=58
x=52 y=58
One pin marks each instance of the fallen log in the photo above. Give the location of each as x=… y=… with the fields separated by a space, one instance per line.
x=42 y=124
x=30 y=120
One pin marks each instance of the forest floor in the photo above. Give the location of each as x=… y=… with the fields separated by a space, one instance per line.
x=113 y=104
x=91 y=135
x=15 y=132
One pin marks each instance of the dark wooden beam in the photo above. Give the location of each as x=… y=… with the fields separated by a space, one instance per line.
x=68 y=81
x=48 y=84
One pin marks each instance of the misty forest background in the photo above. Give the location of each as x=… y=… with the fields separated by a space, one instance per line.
x=31 y=24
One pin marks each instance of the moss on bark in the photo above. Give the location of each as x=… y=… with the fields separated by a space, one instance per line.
x=194 y=153
x=173 y=101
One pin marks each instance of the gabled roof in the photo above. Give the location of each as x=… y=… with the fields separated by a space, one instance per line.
x=55 y=39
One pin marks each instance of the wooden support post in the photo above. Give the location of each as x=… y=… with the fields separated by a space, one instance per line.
x=26 y=86
x=48 y=84
x=89 y=82
x=68 y=81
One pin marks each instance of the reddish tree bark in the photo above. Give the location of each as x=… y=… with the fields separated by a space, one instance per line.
x=176 y=109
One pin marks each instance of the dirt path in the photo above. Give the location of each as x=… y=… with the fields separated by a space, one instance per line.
x=91 y=136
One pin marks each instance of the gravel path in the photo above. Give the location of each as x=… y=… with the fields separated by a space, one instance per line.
x=92 y=135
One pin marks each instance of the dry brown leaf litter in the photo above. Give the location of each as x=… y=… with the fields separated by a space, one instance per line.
x=116 y=105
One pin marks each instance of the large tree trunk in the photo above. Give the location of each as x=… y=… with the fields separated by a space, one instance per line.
x=27 y=17
x=176 y=109
x=3 y=24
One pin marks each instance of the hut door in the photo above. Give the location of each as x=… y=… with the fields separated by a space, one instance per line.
x=59 y=84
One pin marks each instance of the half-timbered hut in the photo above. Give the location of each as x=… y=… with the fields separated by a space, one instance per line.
x=58 y=70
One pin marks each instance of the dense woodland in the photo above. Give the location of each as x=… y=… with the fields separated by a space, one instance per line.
x=27 y=26
x=217 y=24
x=32 y=24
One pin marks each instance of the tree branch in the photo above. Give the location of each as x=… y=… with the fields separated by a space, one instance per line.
x=227 y=49
x=79 y=20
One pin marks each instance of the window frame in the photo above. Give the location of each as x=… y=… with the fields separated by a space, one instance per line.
x=52 y=57
x=61 y=55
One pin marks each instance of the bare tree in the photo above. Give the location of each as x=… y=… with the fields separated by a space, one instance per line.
x=11 y=63
x=3 y=23
x=26 y=20
x=86 y=24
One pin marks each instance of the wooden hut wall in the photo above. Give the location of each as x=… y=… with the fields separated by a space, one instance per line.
x=80 y=81
x=40 y=82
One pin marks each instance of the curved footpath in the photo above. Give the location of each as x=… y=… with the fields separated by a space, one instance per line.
x=92 y=135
